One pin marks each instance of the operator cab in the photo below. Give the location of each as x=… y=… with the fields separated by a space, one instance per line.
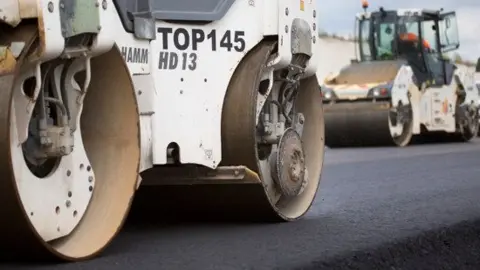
x=419 y=37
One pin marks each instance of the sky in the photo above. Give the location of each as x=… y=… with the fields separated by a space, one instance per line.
x=338 y=16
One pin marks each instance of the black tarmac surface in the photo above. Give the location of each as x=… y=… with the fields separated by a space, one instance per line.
x=378 y=208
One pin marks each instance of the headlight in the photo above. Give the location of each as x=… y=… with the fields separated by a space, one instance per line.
x=380 y=90
x=327 y=93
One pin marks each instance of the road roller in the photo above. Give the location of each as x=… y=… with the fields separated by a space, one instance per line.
x=206 y=108
x=401 y=87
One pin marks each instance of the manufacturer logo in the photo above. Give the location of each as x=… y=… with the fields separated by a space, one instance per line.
x=445 y=106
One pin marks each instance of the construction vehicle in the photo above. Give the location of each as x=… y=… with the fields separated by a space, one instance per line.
x=195 y=104
x=401 y=87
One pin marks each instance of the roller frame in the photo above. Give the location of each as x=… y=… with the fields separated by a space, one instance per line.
x=152 y=108
x=186 y=104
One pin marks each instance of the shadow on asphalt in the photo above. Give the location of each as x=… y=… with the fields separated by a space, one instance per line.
x=456 y=247
x=433 y=138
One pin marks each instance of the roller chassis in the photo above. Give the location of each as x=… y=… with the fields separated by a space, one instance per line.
x=209 y=47
x=192 y=72
x=191 y=107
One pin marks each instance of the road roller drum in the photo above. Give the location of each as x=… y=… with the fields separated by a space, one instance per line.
x=366 y=124
x=61 y=165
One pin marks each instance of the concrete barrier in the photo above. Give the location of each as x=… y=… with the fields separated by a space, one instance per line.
x=334 y=54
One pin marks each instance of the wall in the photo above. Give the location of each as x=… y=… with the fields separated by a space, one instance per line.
x=333 y=54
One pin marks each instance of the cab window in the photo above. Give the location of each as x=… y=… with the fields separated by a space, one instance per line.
x=449 y=33
x=365 y=40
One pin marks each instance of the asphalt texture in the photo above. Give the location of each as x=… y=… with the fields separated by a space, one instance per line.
x=378 y=208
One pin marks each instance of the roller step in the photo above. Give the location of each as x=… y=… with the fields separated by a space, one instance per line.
x=196 y=175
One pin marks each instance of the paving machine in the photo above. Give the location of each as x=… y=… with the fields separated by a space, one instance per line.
x=401 y=87
x=210 y=106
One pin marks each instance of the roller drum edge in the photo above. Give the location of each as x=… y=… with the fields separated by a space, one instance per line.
x=17 y=232
x=33 y=228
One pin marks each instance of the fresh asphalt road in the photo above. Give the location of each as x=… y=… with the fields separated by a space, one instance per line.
x=378 y=208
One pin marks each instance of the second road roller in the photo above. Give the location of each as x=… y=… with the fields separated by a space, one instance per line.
x=401 y=87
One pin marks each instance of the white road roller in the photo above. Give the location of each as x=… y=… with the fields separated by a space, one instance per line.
x=401 y=86
x=215 y=103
